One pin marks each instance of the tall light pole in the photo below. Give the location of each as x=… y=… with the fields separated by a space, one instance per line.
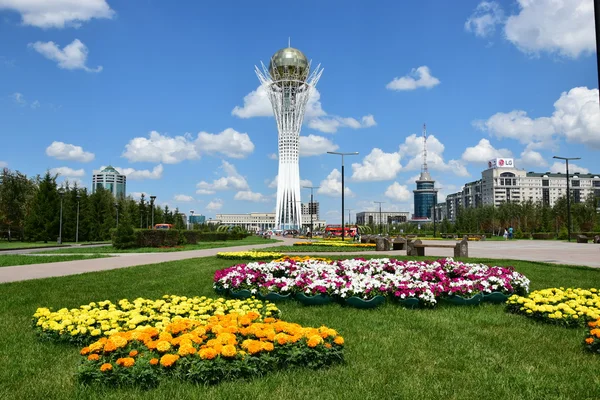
x=61 y=193
x=310 y=209
x=568 y=193
x=152 y=198
x=354 y=153
x=349 y=219
x=77 y=228
x=117 y=208
x=380 y=220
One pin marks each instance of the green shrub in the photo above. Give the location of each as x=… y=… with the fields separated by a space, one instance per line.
x=124 y=237
x=563 y=234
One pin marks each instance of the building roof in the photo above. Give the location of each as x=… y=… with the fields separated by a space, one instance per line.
x=559 y=175
x=109 y=170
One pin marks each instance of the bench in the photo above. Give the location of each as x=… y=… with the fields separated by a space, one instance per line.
x=583 y=239
x=399 y=243
x=417 y=248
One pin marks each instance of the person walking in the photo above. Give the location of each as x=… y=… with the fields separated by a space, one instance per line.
x=510 y=233
x=505 y=234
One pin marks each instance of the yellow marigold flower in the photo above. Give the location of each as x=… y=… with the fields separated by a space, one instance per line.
x=168 y=360
x=267 y=346
x=186 y=349
x=338 y=340
x=207 y=353
x=163 y=346
x=228 y=351
x=106 y=367
x=93 y=357
x=314 y=341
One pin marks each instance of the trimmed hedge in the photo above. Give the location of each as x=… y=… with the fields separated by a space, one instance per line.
x=544 y=235
x=173 y=237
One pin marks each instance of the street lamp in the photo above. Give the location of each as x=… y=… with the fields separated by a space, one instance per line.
x=568 y=193
x=77 y=228
x=117 y=208
x=310 y=210
x=349 y=219
x=355 y=153
x=380 y=220
x=152 y=198
x=61 y=193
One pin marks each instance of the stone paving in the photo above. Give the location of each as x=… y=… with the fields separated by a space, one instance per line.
x=530 y=250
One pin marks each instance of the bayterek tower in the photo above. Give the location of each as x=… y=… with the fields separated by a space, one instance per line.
x=288 y=82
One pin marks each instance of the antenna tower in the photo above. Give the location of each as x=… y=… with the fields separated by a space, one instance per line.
x=424 y=166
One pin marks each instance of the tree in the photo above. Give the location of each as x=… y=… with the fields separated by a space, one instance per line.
x=124 y=237
x=42 y=221
x=16 y=192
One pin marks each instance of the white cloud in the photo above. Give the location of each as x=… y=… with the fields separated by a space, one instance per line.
x=576 y=117
x=413 y=148
x=229 y=142
x=19 y=98
x=483 y=152
x=532 y=158
x=248 y=195
x=561 y=167
x=64 y=151
x=161 y=148
x=257 y=104
x=183 y=198
x=484 y=19
x=140 y=174
x=313 y=145
x=273 y=156
x=3 y=164
x=138 y=195
x=215 y=205
x=565 y=27
x=377 y=166
x=58 y=13
x=72 y=56
x=272 y=184
x=305 y=182
x=231 y=181
x=35 y=104
x=333 y=123
x=419 y=77
x=68 y=172
x=332 y=185
x=398 y=192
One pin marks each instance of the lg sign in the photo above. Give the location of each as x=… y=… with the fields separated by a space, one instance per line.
x=501 y=163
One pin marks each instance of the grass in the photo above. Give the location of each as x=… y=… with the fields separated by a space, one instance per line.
x=199 y=246
x=11 y=260
x=448 y=352
x=317 y=249
x=21 y=245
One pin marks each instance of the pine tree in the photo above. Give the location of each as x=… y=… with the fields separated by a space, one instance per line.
x=42 y=222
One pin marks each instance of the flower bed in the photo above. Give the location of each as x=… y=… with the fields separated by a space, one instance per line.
x=426 y=280
x=89 y=322
x=249 y=255
x=592 y=340
x=569 y=307
x=301 y=259
x=220 y=348
x=335 y=244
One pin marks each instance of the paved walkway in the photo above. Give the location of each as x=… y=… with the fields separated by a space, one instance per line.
x=534 y=250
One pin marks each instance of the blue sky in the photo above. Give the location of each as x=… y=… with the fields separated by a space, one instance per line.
x=168 y=94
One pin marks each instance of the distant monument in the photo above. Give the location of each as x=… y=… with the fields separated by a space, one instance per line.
x=425 y=194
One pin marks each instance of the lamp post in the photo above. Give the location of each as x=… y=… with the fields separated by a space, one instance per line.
x=117 y=208
x=568 y=193
x=61 y=193
x=380 y=220
x=349 y=219
x=77 y=226
x=191 y=222
x=310 y=210
x=152 y=198
x=355 y=153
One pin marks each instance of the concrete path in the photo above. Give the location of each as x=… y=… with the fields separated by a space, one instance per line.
x=534 y=250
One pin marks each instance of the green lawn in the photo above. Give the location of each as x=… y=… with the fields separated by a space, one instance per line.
x=391 y=353
x=18 y=245
x=200 y=246
x=10 y=260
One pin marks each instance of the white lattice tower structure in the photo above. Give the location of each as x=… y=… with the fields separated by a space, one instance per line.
x=288 y=83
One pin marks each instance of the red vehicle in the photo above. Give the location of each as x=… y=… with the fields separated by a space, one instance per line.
x=336 y=230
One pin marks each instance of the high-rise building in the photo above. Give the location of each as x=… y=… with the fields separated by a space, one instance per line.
x=425 y=195
x=308 y=209
x=288 y=83
x=110 y=179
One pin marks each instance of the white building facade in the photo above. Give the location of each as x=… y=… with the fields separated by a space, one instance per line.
x=110 y=179
x=258 y=221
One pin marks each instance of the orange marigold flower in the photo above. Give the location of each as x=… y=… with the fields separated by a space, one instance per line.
x=93 y=357
x=168 y=360
x=254 y=347
x=281 y=338
x=328 y=345
x=207 y=353
x=338 y=340
x=119 y=341
x=125 y=362
x=267 y=346
x=109 y=346
x=133 y=353
x=84 y=351
x=592 y=324
x=228 y=350
x=253 y=315
x=589 y=340
x=314 y=341
x=165 y=336
x=185 y=350
x=154 y=361
x=269 y=320
x=106 y=367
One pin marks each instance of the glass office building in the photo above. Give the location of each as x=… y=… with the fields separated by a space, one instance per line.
x=425 y=196
x=110 y=179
